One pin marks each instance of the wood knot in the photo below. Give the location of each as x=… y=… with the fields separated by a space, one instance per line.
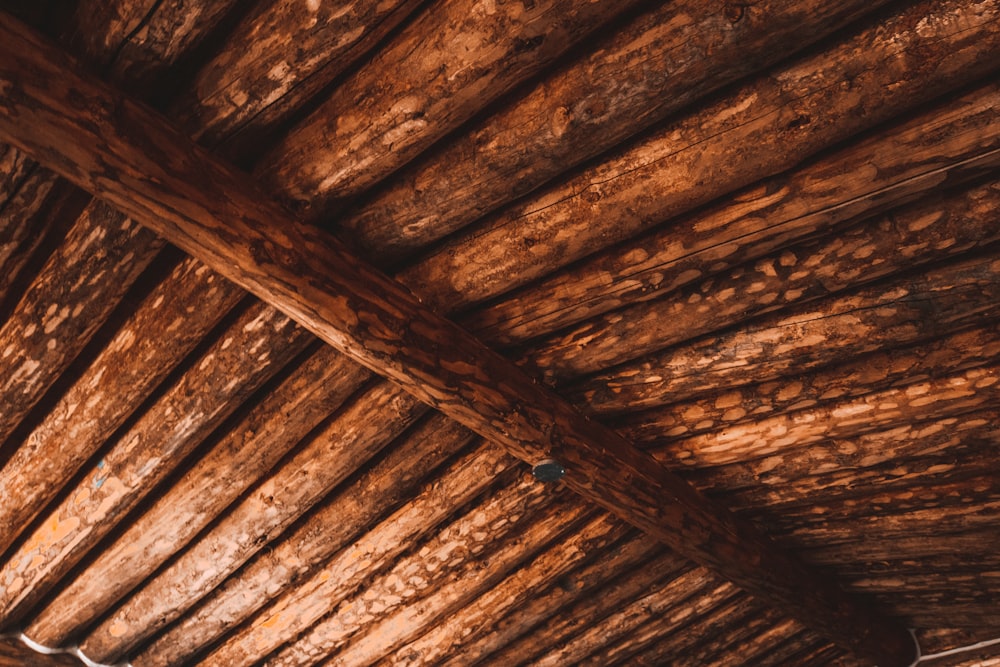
x=734 y=13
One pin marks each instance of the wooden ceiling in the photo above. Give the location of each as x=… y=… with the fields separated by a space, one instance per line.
x=734 y=265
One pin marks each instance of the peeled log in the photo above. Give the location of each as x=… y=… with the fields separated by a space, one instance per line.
x=661 y=61
x=972 y=390
x=349 y=439
x=909 y=310
x=439 y=71
x=30 y=215
x=141 y=457
x=227 y=605
x=69 y=299
x=902 y=456
x=248 y=450
x=769 y=125
x=253 y=81
x=944 y=145
x=675 y=604
x=879 y=371
x=440 y=637
x=71 y=432
x=716 y=622
x=465 y=554
x=215 y=213
x=917 y=235
x=596 y=579
x=588 y=611
x=410 y=621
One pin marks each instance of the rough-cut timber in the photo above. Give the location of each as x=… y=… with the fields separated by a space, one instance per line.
x=140 y=165
x=64 y=306
x=440 y=70
x=253 y=447
x=663 y=60
x=912 y=309
x=911 y=237
x=346 y=441
x=148 y=451
x=765 y=127
x=253 y=82
x=951 y=142
x=235 y=600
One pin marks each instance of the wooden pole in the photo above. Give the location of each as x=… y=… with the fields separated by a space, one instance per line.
x=122 y=152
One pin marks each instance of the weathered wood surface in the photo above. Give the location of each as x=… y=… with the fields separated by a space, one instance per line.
x=909 y=310
x=766 y=127
x=219 y=217
x=521 y=508
x=336 y=450
x=81 y=421
x=146 y=453
x=137 y=42
x=589 y=610
x=876 y=372
x=661 y=61
x=698 y=592
x=427 y=645
x=66 y=303
x=918 y=235
x=899 y=457
x=948 y=143
x=968 y=391
x=735 y=611
x=445 y=66
x=593 y=580
x=242 y=456
x=471 y=581
x=734 y=644
x=28 y=217
x=308 y=548
x=279 y=56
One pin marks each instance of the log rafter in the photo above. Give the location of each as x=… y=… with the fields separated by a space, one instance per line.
x=120 y=151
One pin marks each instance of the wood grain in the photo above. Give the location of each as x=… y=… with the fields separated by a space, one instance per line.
x=661 y=61
x=143 y=167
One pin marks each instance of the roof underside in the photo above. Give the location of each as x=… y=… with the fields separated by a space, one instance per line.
x=758 y=240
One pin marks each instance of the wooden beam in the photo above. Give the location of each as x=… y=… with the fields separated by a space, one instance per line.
x=129 y=156
x=587 y=107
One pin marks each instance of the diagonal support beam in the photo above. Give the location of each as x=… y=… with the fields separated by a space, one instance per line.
x=130 y=157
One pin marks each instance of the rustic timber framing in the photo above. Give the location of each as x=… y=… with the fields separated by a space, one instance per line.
x=757 y=241
x=128 y=156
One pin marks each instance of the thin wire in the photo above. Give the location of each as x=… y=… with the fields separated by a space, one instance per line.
x=953 y=651
x=45 y=650
x=963 y=649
